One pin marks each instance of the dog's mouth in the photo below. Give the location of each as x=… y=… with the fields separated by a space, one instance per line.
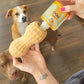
x=16 y=77
x=25 y=21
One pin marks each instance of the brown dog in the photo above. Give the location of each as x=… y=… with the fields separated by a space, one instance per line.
x=8 y=70
x=11 y=72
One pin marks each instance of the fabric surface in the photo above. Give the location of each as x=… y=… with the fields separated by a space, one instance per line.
x=77 y=78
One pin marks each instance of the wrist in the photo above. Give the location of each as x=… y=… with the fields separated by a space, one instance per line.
x=40 y=72
x=43 y=76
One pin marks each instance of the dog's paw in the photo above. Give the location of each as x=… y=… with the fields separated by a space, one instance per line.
x=25 y=78
x=53 y=49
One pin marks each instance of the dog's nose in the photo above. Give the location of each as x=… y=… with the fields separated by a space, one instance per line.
x=24 y=19
x=14 y=72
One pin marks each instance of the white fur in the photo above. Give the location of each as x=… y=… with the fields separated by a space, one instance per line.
x=52 y=49
x=21 y=14
x=21 y=26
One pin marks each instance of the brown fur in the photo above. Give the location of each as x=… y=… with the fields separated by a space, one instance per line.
x=15 y=32
x=7 y=68
x=12 y=12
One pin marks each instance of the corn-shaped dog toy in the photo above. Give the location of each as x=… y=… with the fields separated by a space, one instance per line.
x=33 y=34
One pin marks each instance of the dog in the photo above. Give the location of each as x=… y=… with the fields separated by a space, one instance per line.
x=20 y=20
x=8 y=70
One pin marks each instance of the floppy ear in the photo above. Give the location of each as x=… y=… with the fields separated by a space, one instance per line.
x=9 y=13
x=26 y=7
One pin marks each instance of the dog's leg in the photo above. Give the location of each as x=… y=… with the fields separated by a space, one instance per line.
x=15 y=36
x=25 y=77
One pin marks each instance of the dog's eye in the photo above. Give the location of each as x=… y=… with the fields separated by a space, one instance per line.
x=24 y=11
x=2 y=66
x=16 y=14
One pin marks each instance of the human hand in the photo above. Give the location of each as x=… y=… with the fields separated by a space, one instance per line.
x=73 y=7
x=32 y=61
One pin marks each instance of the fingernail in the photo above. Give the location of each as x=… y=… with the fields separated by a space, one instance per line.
x=63 y=9
x=68 y=18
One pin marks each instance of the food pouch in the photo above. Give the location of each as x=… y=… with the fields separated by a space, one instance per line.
x=53 y=16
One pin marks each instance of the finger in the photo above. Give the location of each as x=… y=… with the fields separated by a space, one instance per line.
x=37 y=47
x=73 y=1
x=69 y=8
x=32 y=47
x=71 y=15
x=15 y=62
x=67 y=2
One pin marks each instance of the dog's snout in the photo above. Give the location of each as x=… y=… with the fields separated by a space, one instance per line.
x=24 y=19
x=14 y=72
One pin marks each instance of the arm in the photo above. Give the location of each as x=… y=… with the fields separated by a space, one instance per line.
x=44 y=76
x=34 y=63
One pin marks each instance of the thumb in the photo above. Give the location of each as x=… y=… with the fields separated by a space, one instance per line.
x=69 y=8
x=15 y=62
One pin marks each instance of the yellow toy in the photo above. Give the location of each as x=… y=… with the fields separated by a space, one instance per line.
x=34 y=34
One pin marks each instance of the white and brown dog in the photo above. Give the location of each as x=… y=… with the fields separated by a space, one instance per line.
x=20 y=20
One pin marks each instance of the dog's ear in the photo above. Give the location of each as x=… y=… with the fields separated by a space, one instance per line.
x=9 y=13
x=26 y=7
